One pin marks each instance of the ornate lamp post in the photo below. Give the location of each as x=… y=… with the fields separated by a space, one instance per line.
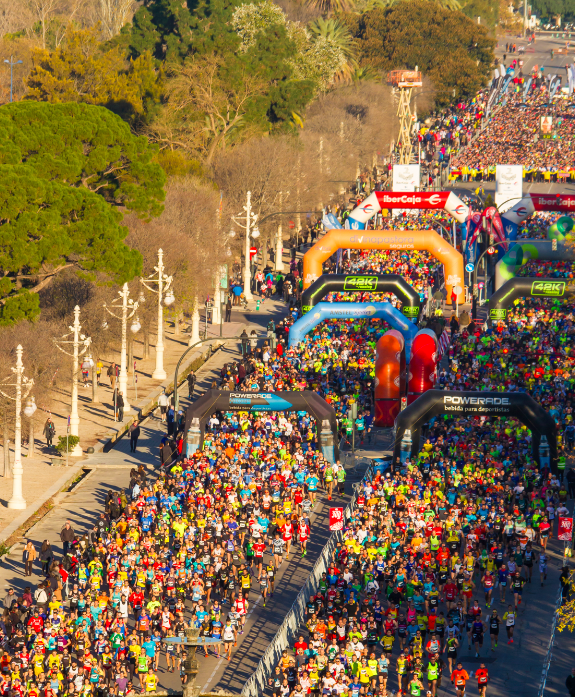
x=23 y=386
x=166 y=295
x=127 y=308
x=250 y=220
x=79 y=343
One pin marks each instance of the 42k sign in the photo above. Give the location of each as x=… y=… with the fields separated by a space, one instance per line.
x=549 y=290
x=360 y=283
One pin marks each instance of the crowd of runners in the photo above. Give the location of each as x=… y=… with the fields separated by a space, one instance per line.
x=432 y=565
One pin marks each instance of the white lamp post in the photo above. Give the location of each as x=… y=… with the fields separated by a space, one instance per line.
x=127 y=309
x=164 y=282
x=23 y=386
x=250 y=220
x=79 y=344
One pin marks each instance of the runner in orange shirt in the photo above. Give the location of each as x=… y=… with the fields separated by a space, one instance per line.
x=459 y=677
x=482 y=679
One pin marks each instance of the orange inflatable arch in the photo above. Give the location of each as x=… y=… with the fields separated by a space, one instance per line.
x=427 y=240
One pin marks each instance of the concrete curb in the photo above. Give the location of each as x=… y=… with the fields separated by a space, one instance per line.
x=144 y=407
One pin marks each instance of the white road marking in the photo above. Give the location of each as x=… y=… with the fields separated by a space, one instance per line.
x=219 y=663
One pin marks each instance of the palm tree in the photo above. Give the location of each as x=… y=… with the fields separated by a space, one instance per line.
x=337 y=33
x=329 y=7
x=367 y=5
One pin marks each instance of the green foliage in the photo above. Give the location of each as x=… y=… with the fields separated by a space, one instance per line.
x=82 y=69
x=452 y=50
x=487 y=10
x=176 y=164
x=67 y=443
x=83 y=146
x=47 y=226
x=551 y=8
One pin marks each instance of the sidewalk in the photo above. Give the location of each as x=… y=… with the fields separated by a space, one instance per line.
x=41 y=479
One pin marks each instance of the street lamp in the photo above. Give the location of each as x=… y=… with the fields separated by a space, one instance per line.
x=23 y=386
x=164 y=282
x=127 y=309
x=11 y=63
x=79 y=344
x=250 y=220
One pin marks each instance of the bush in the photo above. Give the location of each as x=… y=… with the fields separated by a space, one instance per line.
x=72 y=442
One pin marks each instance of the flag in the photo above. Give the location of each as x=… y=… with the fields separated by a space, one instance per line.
x=443 y=343
x=335 y=519
x=565 y=530
x=330 y=222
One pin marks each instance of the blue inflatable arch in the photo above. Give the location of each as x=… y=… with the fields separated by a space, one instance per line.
x=345 y=310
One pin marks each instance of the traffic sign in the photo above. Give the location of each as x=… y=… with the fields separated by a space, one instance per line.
x=253 y=251
x=491 y=250
x=469 y=267
x=481 y=285
x=458 y=289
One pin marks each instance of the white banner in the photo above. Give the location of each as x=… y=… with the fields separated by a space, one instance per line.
x=405 y=178
x=508 y=186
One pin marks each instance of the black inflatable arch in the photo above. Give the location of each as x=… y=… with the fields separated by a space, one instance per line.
x=387 y=283
x=223 y=400
x=518 y=404
x=527 y=287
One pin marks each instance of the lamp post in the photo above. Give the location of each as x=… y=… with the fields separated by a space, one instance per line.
x=23 y=386
x=164 y=282
x=250 y=221
x=11 y=63
x=79 y=343
x=127 y=309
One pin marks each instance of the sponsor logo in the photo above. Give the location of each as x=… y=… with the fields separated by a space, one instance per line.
x=461 y=209
x=509 y=229
x=553 y=290
x=453 y=280
x=521 y=212
x=310 y=278
x=360 y=283
x=497 y=314
x=367 y=208
x=305 y=308
x=250 y=395
x=554 y=203
x=396 y=381
x=482 y=401
x=410 y=310
x=391 y=241
x=434 y=200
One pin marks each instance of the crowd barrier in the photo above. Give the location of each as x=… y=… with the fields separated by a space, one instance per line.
x=290 y=628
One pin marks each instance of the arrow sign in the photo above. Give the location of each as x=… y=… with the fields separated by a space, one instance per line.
x=469 y=267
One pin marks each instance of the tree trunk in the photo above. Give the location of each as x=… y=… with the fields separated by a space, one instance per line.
x=130 y=355
x=195 y=335
x=31 y=444
x=146 y=342
x=7 y=467
x=177 y=321
x=95 y=399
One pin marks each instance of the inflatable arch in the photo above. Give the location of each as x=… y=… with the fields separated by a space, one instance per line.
x=378 y=200
x=422 y=372
x=436 y=402
x=525 y=250
x=324 y=311
x=428 y=240
x=200 y=411
x=388 y=283
x=527 y=287
x=533 y=203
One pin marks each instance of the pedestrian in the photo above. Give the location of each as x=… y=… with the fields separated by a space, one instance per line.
x=49 y=431
x=134 y=435
x=163 y=402
x=46 y=556
x=191 y=384
x=29 y=556
x=67 y=535
x=99 y=366
x=571 y=483
x=229 y=310
x=111 y=373
x=570 y=683
x=120 y=407
x=245 y=342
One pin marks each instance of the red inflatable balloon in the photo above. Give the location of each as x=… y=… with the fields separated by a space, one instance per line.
x=422 y=372
x=389 y=377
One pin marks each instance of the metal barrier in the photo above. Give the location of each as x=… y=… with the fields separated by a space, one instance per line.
x=289 y=629
x=549 y=655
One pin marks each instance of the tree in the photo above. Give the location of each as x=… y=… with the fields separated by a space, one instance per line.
x=451 y=49
x=46 y=227
x=83 y=146
x=210 y=110
x=84 y=70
